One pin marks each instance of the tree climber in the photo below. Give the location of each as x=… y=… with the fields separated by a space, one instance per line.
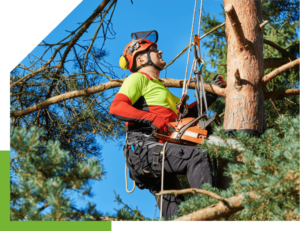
x=147 y=105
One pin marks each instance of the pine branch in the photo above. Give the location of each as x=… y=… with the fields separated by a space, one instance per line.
x=282 y=93
x=281 y=69
x=192 y=190
x=73 y=41
x=176 y=83
x=105 y=86
x=33 y=73
x=272 y=63
x=215 y=211
x=280 y=49
x=277 y=62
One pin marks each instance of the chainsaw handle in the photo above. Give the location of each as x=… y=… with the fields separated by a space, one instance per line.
x=183 y=129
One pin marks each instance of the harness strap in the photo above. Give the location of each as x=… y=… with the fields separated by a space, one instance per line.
x=156 y=166
x=149 y=62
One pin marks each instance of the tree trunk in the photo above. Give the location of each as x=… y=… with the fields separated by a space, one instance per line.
x=245 y=68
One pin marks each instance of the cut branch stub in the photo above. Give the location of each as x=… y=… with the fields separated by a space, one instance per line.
x=237 y=83
x=236 y=26
x=263 y=24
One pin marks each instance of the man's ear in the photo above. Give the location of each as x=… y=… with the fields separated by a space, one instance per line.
x=140 y=60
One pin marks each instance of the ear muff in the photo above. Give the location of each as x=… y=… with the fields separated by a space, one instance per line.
x=123 y=62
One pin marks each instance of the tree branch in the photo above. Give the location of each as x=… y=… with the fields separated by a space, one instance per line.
x=279 y=70
x=277 y=62
x=187 y=47
x=192 y=190
x=236 y=27
x=176 y=83
x=272 y=63
x=73 y=41
x=280 y=49
x=263 y=24
x=95 y=35
x=33 y=73
x=215 y=211
x=282 y=93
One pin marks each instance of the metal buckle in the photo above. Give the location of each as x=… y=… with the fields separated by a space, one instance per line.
x=155 y=164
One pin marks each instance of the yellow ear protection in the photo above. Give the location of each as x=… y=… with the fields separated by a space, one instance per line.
x=123 y=62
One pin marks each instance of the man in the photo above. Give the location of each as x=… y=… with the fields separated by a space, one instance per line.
x=147 y=105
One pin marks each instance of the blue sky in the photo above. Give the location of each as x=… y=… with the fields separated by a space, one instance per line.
x=173 y=21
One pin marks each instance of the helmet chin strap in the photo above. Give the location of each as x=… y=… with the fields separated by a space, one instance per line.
x=149 y=62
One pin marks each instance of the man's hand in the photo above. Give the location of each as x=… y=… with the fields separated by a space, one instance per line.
x=218 y=80
x=162 y=125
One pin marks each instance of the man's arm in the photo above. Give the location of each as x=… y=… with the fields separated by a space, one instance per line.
x=122 y=108
x=130 y=92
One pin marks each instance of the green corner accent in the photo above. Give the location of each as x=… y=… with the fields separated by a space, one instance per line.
x=4 y=192
x=6 y=224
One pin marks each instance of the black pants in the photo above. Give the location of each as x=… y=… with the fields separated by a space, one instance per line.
x=179 y=160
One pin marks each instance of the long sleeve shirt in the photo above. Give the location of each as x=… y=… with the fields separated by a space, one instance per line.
x=142 y=98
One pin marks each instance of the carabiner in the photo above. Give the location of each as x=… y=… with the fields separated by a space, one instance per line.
x=197 y=45
x=201 y=61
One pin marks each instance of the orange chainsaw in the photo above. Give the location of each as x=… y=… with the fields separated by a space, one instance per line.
x=190 y=131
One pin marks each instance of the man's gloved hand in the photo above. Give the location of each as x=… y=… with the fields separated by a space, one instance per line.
x=161 y=125
x=218 y=80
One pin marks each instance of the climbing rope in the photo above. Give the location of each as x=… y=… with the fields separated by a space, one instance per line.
x=200 y=18
x=187 y=65
x=185 y=49
x=162 y=179
x=127 y=181
x=199 y=26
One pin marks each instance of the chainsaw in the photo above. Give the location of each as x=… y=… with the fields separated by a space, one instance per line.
x=191 y=131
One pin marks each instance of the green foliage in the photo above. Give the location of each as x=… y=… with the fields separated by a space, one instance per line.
x=44 y=181
x=268 y=178
x=128 y=213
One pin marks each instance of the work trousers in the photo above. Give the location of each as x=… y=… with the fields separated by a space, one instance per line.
x=179 y=160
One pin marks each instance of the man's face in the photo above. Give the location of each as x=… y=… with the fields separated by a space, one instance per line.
x=156 y=57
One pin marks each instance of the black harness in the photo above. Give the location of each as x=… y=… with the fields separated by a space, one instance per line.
x=137 y=145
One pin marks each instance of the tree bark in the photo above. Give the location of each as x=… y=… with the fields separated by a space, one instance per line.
x=244 y=108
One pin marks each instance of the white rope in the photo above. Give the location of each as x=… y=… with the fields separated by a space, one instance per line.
x=188 y=82
x=187 y=65
x=184 y=88
x=200 y=18
x=127 y=182
x=162 y=179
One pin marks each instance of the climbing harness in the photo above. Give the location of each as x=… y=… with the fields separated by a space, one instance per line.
x=137 y=146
